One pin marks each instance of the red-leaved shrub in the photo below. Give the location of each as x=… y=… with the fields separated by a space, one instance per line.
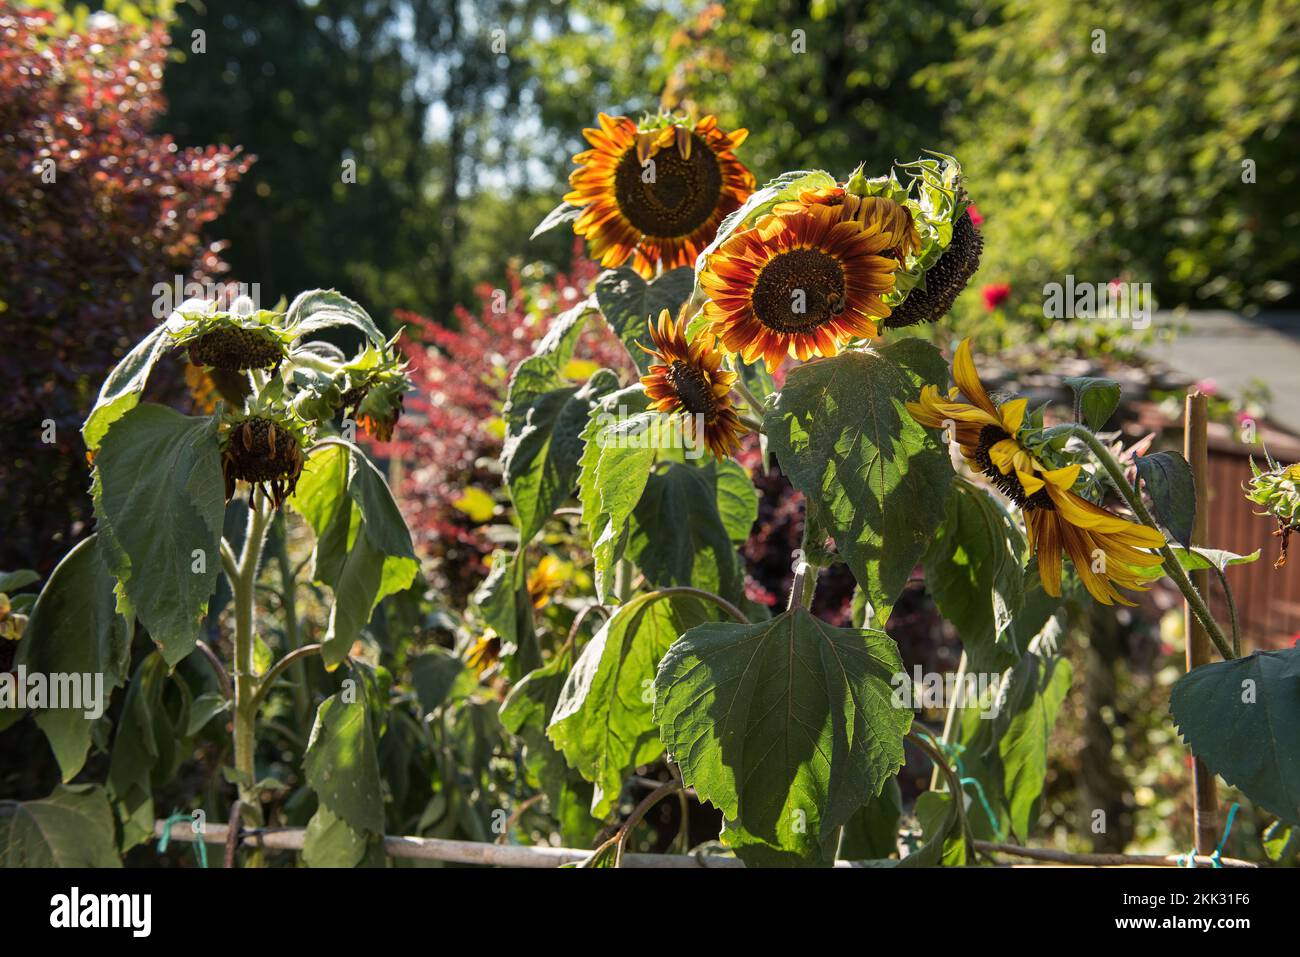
x=94 y=211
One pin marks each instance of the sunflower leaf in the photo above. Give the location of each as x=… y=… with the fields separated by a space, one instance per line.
x=326 y=309
x=1095 y=399
x=841 y=433
x=788 y=727
x=628 y=302
x=160 y=503
x=122 y=388
x=1168 y=481
x=1242 y=718
x=342 y=762
x=73 y=827
x=564 y=213
x=602 y=720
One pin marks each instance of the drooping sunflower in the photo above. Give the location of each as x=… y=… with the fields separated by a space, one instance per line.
x=689 y=379
x=656 y=195
x=1057 y=519
x=802 y=283
x=875 y=214
x=263 y=450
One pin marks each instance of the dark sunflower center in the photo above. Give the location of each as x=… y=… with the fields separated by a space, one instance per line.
x=693 y=388
x=799 y=290
x=1009 y=484
x=669 y=195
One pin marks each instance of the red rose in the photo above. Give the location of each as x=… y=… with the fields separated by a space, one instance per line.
x=995 y=294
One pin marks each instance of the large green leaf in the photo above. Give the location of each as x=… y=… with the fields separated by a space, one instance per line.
x=329 y=842
x=506 y=606
x=612 y=473
x=1168 y=480
x=1095 y=399
x=73 y=827
x=1035 y=689
x=880 y=481
x=686 y=527
x=121 y=390
x=75 y=629
x=160 y=503
x=603 y=721
x=342 y=763
x=543 y=445
x=628 y=302
x=787 y=727
x=363 y=548
x=974 y=570
x=1242 y=718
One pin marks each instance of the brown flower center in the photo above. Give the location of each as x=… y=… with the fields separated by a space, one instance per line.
x=799 y=290
x=1008 y=484
x=669 y=195
x=693 y=388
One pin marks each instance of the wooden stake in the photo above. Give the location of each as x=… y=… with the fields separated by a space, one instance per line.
x=1205 y=798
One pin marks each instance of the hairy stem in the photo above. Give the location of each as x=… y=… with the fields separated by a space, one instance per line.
x=1173 y=567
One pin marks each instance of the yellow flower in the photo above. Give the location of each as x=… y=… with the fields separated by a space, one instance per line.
x=656 y=195
x=689 y=379
x=1106 y=550
x=545 y=580
x=803 y=283
x=485 y=652
x=873 y=214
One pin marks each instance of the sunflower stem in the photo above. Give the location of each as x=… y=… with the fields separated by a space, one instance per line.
x=1173 y=567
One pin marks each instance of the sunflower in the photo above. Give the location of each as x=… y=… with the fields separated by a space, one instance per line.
x=1056 y=519
x=484 y=653
x=874 y=214
x=689 y=378
x=264 y=452
x=656 y=195
x=802 y=283
x=545 y=580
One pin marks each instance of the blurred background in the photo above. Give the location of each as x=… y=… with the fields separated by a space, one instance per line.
x=1134 y=141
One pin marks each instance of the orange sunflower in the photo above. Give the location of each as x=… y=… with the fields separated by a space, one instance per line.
x=874 y=214
x=689 y=378
x=1106 y=550
x=657 y=195
x=801 y=283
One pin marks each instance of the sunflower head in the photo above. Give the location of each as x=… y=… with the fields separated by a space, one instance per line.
x=655 y=192
x=688 y=379
x=233 y=340
x=545 y=579
x=1106 y=550
x=265 y=449
x=803 y=282
x=874 y=214
x=484 y=653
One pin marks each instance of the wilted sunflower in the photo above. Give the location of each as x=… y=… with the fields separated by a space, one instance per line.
x=689 y=378
x=1057 y=520
x=233 y=340
x=803 y=283
x=263 y=452
x=656 y=195
x=945 y=280
x=874 y=214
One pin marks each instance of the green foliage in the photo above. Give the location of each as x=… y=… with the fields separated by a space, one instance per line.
x=73 y=827
x=627 y=301
x=160 y=507
x=341 y=763
x=1240 y=718
x=787 y=727
x=1095 y=399
x=879 y=480
x=1167 y=478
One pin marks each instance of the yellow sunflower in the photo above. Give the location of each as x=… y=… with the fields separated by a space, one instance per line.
x=689 y=378
x=802 y=283
x=875 y=214
x=657 y=195
x=1057 y=520
x=545 y=580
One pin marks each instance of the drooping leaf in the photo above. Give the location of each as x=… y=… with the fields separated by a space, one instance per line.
x=944 y=845
x=160 y=502
x=685 y=529
x=1035 y=689
x=1095 y=399
x=628 y=302
x=840 y=432
x=342 y=764
x=73 y=827
x=505 y=605
x=564 y=213
x=974 y=570
x=786 y=726
x=326 y=309
x=1242 y=718
x=543 y=442
x=75 y=629
x=1198 y=559
x=121 y=390
x=11 y=582
x=1168 y=480
x=603 y=721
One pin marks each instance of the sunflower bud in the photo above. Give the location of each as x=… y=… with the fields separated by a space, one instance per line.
x=1275 y=489
x=944 y=281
